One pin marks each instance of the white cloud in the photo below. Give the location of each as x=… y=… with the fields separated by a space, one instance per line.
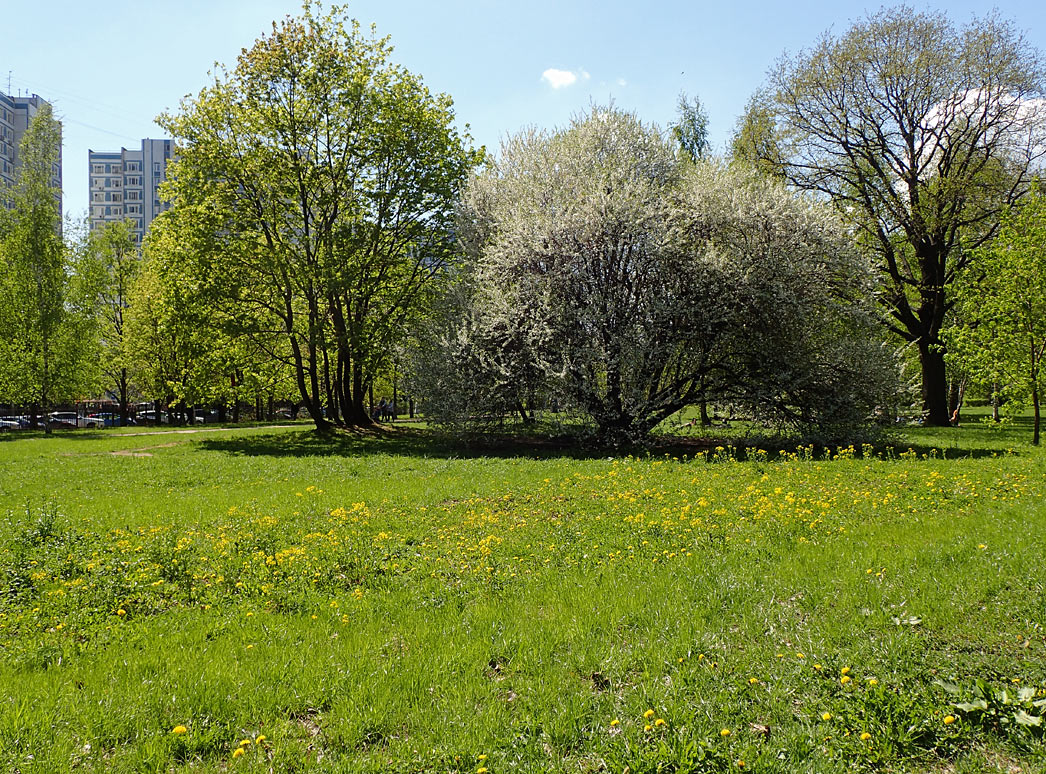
x=559 y=79
x=622 y=82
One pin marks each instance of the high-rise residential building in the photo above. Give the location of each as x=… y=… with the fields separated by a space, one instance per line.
x=125 y=185
x=15 y=115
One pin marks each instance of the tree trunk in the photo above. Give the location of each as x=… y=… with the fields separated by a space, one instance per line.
x=935 y=385
x=706 y=421
x=124 y=413
x=356 y=414
x=333 y=413
x=528 y=418
x=1035 y=406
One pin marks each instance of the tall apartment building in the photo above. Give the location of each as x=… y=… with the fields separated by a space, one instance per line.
x=125 y=185
x=15 y=115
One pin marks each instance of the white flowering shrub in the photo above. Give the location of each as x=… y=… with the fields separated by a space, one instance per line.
x=610 y=275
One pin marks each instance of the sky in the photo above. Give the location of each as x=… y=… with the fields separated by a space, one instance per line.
x=110 y=68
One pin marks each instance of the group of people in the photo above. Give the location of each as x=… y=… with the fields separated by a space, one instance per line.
x=385 y=411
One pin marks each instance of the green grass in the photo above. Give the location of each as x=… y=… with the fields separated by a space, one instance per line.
x=395 y=603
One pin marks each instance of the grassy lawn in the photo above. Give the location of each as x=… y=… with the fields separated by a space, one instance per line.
x=391 y=603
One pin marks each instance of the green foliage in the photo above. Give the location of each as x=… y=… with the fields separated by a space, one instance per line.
x=1002 y=304
x=998 y=710
x=691 y=128
x=313 y=191
x=755 y=141
x=113 y=263
x=47 y=351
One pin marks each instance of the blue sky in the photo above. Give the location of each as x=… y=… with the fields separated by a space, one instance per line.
x=110 y=68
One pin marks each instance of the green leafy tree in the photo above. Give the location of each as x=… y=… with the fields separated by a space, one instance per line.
x=755 y=141
x=116 y=260
x=1002 y=301
x=691 y=128
x=46 y=348
x=315 y=184
x=921 y=133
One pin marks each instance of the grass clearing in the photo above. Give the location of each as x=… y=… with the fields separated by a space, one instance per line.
x=390 y=603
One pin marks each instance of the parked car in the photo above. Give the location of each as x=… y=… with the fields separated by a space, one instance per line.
x=9 y=423
x=63 y=419
x=105 y=419
x=152 y=418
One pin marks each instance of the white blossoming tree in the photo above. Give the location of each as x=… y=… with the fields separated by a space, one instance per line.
x=612 y=278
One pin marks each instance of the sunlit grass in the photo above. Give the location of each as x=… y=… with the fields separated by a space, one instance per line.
x=393 y=602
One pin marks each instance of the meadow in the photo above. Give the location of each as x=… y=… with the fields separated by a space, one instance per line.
x=267 y=600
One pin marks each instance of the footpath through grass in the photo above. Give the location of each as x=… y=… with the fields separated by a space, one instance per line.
x=264 y=600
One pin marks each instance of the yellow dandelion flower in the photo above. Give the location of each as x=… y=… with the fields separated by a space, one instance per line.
x=817 y=667
x=659 y=722
x=845 y=671
x=873 y=681
x=179 y=730
x=481 y=770
x=826 y=716
x=648 y=728
x=615 y=722
x=725 y=732
x=949 y=719
x=481 y=757
x=245 y=742
x=865 y=736
x=753 y=680
x=121 y=611
x=844 y=679
x=237 y=752
x=260 y=739
x=648 y=714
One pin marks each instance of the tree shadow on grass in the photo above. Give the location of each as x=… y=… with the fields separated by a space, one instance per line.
x=395 y=441
x=414 y=442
